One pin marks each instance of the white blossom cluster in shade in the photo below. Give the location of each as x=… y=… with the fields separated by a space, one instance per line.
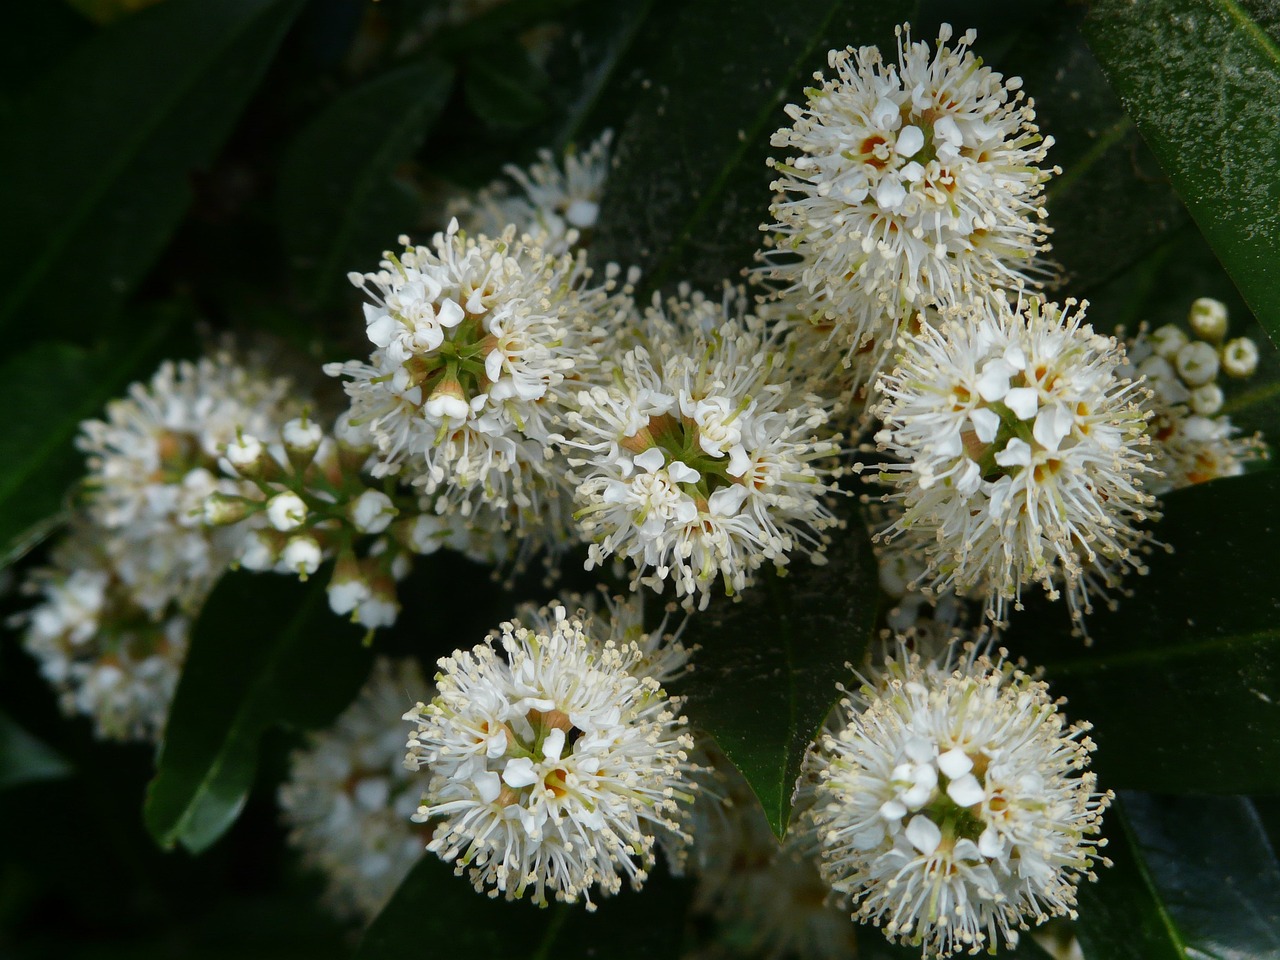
x=694 y=455
x=137 y=562
x=1020 y=454
x=768 y=898
x=909 y=185
x=551 y=770
x=555 y=197
x=476 y=341
x=348 y=799
x=952 y=807
x=1193 y=441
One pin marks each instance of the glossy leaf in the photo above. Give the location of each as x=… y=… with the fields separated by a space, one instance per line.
x=691 y=187
x=51 y=388
x=265 y=652
x=1194 y=877
x=23 y=758
x=99 y=155
x=1183 y=681
x=1201 y=79
x=435 y=915
x=766 y=675
x=339 y=205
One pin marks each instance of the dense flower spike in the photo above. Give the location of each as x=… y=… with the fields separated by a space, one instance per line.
x=558 y=200
x=1022 y=453
x=552 y=770
x=695 y=457
x=952 y=809
x=348 y=799
x=910 y=185
x=1193 y=441
x=477 y=341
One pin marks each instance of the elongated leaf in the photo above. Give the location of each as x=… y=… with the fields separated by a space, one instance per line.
x=706 y=131
x=1201 y=80
x=1194 y=878
x=23 y=758
x=435 y=915
x=1184 y=679
x=266 y=651
x=98 y=157
x=50 y=388
x=766 y=675
x=338 y=205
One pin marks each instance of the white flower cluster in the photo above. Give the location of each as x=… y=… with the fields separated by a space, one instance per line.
x=695 y=457
x=348 y=799
x=552 y=769
x=1193 y=441
x=952 y=809
x=558 y=200
x=137 y=562
x=912 y=184
x=1020 y=450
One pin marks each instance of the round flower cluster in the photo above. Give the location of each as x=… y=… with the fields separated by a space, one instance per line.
x=694 y=455
x=558 y=200
x=951 y=807
x=911 y=185
x=474 y=341
x=1193 y=441
x=552 y=770
x=348 y=799
x=1021 y=453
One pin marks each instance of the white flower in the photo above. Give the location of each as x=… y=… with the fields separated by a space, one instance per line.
x=695 y=457
x=476 y=341
x=286 y=511
x=558 y=203
x=348 y=799
x=1022 y=454
x=1240 y=358
x=1208 y=318
x=951 y=808
x=911 y=185
x=552 y=769
x=302 y=555
x=372 y=512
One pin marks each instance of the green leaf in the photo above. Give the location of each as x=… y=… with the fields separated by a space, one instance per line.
x=99 y=155
x=505 y=88
x=265 y=652
x=1194 y=878
x=703 y=123
x=339 y=206
x=24 y=759
x=766 y=675
x=1201 y=79
x=1182 y=682
x=435 y=915
x=56 y=386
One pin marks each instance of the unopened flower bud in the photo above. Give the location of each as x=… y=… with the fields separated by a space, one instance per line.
x=1166 y=341
x=1206 y=400
x=246 y=454
x=1208 y=318
x=372 y=511
x=348 y=587
x=1240 y=357
x=1197 y=363
x=286 y=511
x=301 y=438
x=381 y=608
x=260 y=552
x=301 y=555
x=448 y=402
x=223 y=509
x=423 y=534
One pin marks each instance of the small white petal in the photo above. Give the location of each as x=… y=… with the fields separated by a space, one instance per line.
x=923 y=834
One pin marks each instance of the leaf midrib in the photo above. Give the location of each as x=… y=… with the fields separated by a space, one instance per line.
x=1091 y=664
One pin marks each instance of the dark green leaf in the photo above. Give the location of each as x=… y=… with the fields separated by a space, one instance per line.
x=339 y=205
x=1182 y=683
x=49 y=389
x=1201 y=80
x=766 y=675
x=506 y=89
x=23 y=758
x=266 y=651
x=1194 y=877
x=99 y=156
x=703 y=125
x=435 y=915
